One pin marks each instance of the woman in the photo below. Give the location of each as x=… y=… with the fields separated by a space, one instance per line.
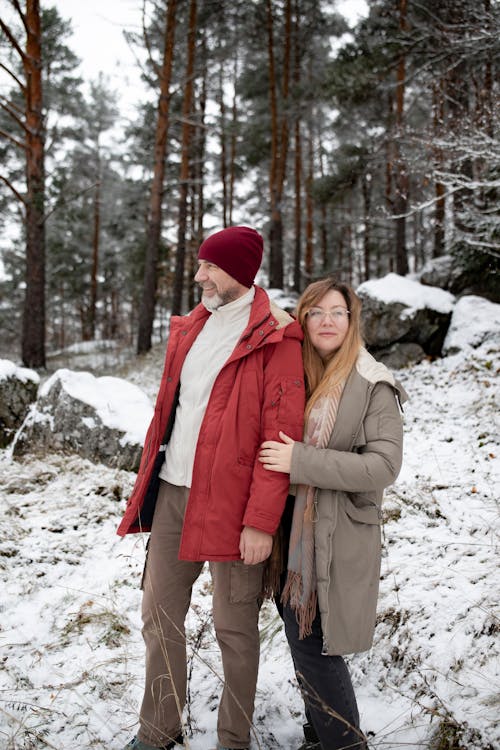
x=352 y=450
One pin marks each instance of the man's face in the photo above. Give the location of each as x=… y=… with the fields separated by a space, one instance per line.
x=219 y=288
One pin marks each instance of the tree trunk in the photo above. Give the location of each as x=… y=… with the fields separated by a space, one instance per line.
x=297 y=256
x=234 y=128
x=439 y=188
x=153 y=230
x=366 y=188
x=184 y=171
x=223 y=155
x=309 y=257
x=402 y=182
x=279 y=145
x=33 y=334
x=197 y=189
x=95 y=261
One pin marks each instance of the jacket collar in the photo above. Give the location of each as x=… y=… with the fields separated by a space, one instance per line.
x=268 y=323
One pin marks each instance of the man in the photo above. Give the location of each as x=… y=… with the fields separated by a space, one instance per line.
x=233 y=377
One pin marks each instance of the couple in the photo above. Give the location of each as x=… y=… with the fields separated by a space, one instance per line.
x=226 y=442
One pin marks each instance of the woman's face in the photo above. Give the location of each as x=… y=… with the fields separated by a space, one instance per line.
x=327 y=323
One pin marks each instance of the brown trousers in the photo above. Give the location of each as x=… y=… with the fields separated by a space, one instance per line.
x=167 y=588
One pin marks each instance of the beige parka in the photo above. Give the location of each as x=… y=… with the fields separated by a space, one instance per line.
x=363 y=457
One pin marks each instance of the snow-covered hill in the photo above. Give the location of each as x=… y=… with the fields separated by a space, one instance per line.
x=70 y=643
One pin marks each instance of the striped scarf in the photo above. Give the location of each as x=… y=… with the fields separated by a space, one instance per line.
x=300 y=588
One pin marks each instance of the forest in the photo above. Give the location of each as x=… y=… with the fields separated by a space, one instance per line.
x=355 y=151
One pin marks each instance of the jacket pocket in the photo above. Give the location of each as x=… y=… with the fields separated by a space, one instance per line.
x=370 y=513
x=282 y=410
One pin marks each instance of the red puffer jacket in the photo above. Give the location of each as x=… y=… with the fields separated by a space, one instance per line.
x=259 y=391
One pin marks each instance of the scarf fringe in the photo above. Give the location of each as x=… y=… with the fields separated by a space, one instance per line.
x=271 y=577
x=304 y=613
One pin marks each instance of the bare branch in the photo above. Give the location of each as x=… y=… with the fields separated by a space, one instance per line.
x=10 y=110
x=12 y=104
x=486 y=247
x=22 y=15
x=145 y=36
x=16 y=79
x=12 y=39
x=11 y=187
x=11 y=138
x=65 y=201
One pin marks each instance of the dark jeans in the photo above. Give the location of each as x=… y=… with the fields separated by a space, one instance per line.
x=325 y=680
x=326 y=688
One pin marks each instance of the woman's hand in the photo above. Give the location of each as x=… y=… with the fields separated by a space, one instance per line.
x=277 y=456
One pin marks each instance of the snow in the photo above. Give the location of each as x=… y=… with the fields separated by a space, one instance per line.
x=10 y=370
x=415 y=296
x=285 y=301
x=88 y=347
x=72 y=652
x=120 y=405
x=474 y=321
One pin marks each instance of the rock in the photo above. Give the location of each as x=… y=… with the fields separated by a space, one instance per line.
x=102 y=419
x=18 y=389
x=475 y=321
x=398 y=356
x=439 y=272
x=399 y=310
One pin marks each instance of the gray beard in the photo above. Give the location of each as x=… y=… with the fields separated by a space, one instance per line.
x=212 y=303
x=218 y=300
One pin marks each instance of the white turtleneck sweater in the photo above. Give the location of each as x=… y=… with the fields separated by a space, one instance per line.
x=211 y=349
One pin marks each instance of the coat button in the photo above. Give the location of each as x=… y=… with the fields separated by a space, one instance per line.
x=169 y=379
x=184 y=333
x=249 y=346
x=261 y=333
x=271 y=322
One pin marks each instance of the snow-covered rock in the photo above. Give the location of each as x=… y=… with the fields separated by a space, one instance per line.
x=398 y=309
x=103 y=419
x=439 y=272
x=18 y=389
x=475 y=321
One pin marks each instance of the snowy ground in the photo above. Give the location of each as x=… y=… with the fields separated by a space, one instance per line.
x=70 y=644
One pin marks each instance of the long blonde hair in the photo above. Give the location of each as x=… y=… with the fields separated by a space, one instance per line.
x=324 y=374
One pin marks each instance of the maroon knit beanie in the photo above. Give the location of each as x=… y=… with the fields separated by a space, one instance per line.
x=237 y=250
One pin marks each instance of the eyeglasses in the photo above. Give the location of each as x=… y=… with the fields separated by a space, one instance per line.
x=316 y=315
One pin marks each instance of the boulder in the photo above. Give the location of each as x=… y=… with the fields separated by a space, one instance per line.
x=103 y=419
x=398 y=356
x=18 y=389
x=475 y=321
x=397 y=309
x=439 y=272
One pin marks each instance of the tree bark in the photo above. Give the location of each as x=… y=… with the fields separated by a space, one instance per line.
x=91 y=321
x=223 y=149
x=439 y=188
x=232 y=157
x=366 y=188
x=309 y=257
x=297 y=256
x=279 y=145
x=33 y=332
x=153 y=229
x=185 y=158
x=197 y=188
x=402 y=182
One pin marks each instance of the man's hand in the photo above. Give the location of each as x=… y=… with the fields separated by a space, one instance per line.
x=255 y=545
